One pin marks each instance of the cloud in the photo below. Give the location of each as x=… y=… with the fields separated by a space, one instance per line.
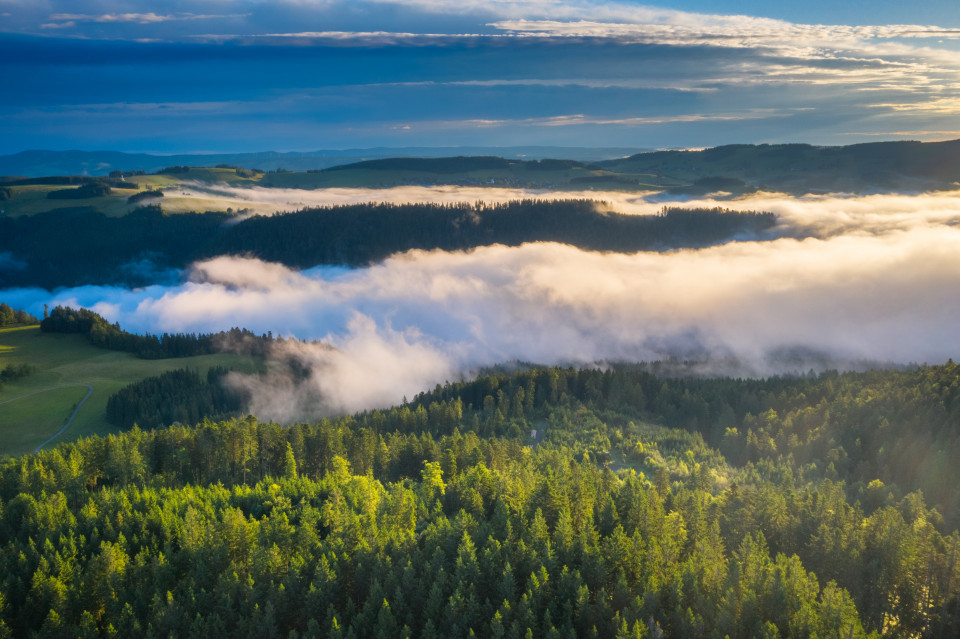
x=947 y=106
x=368 y=369
x=816 y=215
x=721 y=30
x=266 y=201
x=871 y=277
x=443 y=73
x=137 y=18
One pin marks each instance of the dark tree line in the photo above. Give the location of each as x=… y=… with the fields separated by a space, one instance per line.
x=144 y=195
x=180 y=396
x=80 y=246
x=14 y=372
x=56 y=180
x=363 y=234
x=75 y=246
x=106 y=335
x=84 y=191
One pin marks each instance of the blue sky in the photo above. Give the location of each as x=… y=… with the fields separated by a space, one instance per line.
x=247 y=75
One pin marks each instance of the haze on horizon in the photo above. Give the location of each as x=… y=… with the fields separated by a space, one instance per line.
x=249 y=75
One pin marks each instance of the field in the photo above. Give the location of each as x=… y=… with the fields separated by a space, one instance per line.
x=36 y=407
x=32 y=199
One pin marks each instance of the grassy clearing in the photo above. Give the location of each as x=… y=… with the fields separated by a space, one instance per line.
x=66 y=363
x=44 y=411
x=195 y=174
x=32 y=199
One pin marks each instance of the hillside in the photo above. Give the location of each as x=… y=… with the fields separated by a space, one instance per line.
x=793 y=168
x=911 y=166
x=445 y=517
x=100 y=163
x=34 y=408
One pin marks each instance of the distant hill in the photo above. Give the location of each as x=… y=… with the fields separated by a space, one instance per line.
x=905 y=165
x=902 y=166
x=41 y=163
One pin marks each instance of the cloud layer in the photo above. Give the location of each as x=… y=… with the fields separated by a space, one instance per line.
x=879 y=279
x=818 y=215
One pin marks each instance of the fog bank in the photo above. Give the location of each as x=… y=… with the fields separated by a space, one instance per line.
x=425 y=317
x=879 y=279
x=818 y=215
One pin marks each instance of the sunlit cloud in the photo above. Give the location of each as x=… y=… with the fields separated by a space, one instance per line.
x=585 y=72
x=947 y=106
x=850 y=278
x=137 y=18
x=817 y=215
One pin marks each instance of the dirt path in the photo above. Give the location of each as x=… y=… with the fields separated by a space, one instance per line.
x=69 y=421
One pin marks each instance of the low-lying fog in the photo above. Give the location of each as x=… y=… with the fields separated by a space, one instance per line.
x=879 y=279
x=820 y=214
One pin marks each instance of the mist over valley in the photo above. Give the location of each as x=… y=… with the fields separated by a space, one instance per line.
x=481 y=320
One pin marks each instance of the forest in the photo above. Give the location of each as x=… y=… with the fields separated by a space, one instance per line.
x=645 y=506
x=102 y=333
x=75 y=246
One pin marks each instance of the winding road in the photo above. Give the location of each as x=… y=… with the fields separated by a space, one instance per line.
x=69 y=421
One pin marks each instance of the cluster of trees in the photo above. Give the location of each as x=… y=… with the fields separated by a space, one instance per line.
x=11 y=317
x=126 y=174
x=14 y=372
x=75 y=246
x=106 y=335
x=711 y=184
x=181 y=396
x=173 y=170
x=242 y=172
x=144 y=195
x=84 y=191
x=6 y=193
x=57 y=180
x=608 y=526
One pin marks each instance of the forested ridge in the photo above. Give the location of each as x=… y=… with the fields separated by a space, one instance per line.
x=102 y=333
x=360 y=234
x=74 y=246
x=180 y=395
x=647 y=506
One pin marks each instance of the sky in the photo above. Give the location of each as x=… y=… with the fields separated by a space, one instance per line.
x=298 y=75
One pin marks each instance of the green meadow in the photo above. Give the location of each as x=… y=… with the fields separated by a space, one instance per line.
x=37 y=406
x=32 y=199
